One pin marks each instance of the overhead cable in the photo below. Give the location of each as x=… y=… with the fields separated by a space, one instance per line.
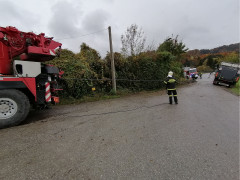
x=78 y=36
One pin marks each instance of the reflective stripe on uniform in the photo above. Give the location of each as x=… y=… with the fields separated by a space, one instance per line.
x=165 y=82
x=170 y=95
x=174 y=95
x=171 y=89
x=171 y=80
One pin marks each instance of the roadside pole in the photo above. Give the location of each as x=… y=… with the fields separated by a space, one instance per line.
x=112 y=61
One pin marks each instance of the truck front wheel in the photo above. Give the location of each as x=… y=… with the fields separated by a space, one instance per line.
x=14 y=107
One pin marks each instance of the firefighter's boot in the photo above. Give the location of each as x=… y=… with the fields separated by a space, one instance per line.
x=175 y=100
x=170 y=100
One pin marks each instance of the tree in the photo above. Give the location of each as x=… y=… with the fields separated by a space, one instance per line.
x=133 y=41
x=92 y=57
x=87 y=53
x=232 y=57
x=174 y=46
x=210 y=62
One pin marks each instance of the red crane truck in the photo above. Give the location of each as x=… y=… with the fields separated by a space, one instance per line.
x=24 y=79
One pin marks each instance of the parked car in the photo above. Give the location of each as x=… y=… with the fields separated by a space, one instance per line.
x=228 y=74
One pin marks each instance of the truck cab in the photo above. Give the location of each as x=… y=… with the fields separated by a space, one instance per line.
x=190 y=73
x=28 y=81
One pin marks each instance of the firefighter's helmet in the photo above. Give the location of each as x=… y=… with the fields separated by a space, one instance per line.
x=170 y=74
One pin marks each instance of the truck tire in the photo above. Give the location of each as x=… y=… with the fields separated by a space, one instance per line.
x=14 y=107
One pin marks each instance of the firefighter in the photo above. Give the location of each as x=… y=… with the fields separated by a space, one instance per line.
x=171 y=88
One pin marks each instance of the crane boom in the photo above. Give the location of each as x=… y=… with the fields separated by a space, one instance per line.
x=27 y=45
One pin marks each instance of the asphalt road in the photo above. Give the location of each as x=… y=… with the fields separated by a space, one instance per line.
x=134 y=137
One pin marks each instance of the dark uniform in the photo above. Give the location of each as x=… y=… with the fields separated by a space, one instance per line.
x=171 y=88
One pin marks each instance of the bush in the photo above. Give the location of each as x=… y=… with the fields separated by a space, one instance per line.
x=204 y=68
x=231 y=57
x=146 y=71
x=236 y=88
x=86 y=70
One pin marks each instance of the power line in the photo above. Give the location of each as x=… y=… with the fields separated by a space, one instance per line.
x=81 y=35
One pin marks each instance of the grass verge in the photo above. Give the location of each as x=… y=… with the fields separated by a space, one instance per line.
x=95 y=97
x=236 y=89
x=120 y=93
x=100 y=96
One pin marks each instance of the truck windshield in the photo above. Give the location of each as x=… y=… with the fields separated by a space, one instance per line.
x=192 y=70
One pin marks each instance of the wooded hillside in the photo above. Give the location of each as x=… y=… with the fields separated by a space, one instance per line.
x=222 y=49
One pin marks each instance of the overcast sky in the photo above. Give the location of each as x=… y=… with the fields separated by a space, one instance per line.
x=200 y=24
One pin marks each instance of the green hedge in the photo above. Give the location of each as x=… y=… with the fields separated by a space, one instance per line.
x=85 y=70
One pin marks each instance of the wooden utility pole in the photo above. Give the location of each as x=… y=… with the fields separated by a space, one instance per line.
x=112 y=61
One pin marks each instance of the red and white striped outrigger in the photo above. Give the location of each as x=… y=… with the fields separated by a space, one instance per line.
x=48 y=92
